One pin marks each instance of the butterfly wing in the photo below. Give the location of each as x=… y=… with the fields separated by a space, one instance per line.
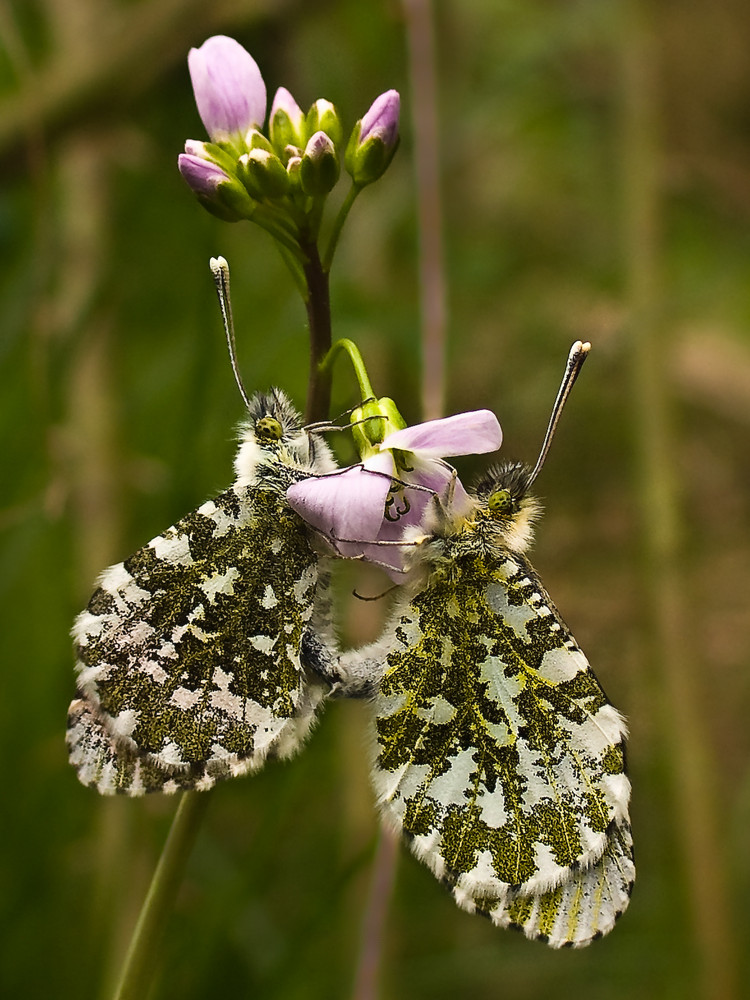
x=189 y=652
x=498 y=755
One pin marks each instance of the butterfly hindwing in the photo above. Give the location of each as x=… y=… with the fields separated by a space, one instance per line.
x=497 y=753
x=189 y=652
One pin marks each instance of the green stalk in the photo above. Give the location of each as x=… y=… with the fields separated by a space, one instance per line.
x=296 y=270
x=283 y=235
x=145 y=945
x=338 y=225
x=358 y=364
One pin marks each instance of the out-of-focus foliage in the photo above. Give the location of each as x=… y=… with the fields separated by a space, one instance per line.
x=118 y=407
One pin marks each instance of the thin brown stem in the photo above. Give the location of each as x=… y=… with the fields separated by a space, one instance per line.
x=319 y=318
x=381 y=887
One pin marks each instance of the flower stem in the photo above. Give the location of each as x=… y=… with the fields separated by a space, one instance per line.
x=283 y=236
x=318 y=305
x=295 y=269
x=143 y=951
x=338 y=225
x=358 y=364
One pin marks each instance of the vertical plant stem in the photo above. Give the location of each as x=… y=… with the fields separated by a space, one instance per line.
x=694 y=772
x=432 y=285
x=381 y=888
x=319 y=318
x=140 y=962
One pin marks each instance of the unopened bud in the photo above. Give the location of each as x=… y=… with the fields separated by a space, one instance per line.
x=374 y=140
x=286 y=124
x=221 y=194
x=319 y=169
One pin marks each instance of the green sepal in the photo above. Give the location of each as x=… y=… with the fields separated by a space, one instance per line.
x=220 y=211
x=372 y=422
x=284 y=132
x=215 y=153
x=263 y=174
x=368 y=161
x=232 y=195
x=256 y=140
x=323 y=117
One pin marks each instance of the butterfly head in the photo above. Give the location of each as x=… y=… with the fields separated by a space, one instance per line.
x=273 y=434
x=505 y=506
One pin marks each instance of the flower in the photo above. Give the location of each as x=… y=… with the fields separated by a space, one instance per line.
x=366 y=505
x=374 y=140
x=228 y=87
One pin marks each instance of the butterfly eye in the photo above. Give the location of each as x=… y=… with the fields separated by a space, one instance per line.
x=500 y=502
x=268 y=429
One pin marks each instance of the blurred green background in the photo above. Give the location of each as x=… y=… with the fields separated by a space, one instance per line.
x=595 y=167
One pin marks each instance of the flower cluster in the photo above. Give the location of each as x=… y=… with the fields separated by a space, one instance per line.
x=278 y=178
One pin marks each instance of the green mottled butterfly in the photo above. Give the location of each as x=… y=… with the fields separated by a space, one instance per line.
x=190 y=653
x=496 y=752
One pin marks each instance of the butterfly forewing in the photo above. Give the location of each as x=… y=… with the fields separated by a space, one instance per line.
x=189 y=651
x=497 y=751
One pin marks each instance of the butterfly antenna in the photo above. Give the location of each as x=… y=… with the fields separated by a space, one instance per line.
x=577 y=356
x=220 y=271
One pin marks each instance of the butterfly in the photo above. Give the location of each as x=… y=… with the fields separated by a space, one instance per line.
x=189 y=654
x=496 y=753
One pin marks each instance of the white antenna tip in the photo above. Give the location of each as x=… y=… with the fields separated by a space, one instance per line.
x=218 y=265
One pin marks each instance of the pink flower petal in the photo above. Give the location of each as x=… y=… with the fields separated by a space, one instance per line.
x=202 y=175
x=344 y=505
x=228 y=87
x=283 y=101
x=440 y=478
x=472 y=433
x=381 y=119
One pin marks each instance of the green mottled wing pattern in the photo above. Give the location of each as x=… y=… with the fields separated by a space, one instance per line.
x=189 y=652
x=497 y=753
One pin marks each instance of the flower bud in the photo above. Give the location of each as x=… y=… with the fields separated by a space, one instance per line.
x=286 y=124
x=263 y=174
x=323 y=117
x=221 y=194
x=228 y=87
x=319 y=169
x=374 y=140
